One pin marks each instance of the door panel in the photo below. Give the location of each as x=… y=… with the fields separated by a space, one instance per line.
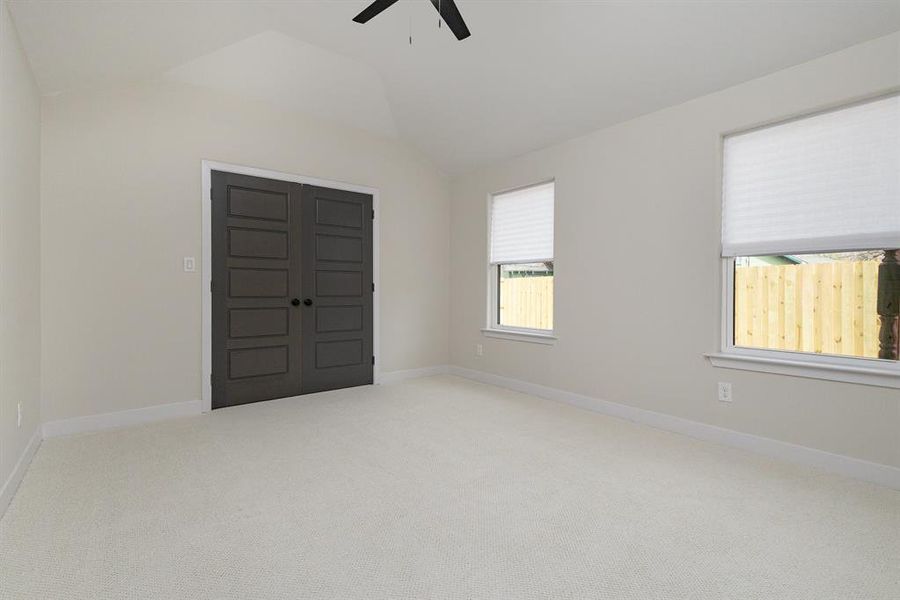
x=339 y=213
x=258 y=322
x=339 y=318
x=339 y=248
x=338 y=284
x=337 y=278
x=339 y=354
x=258 y=283
x=257 y=203
x=256 y=331
x=256 y=362
x=257 y=243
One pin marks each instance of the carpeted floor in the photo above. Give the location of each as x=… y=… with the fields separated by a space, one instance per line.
x=435 y=488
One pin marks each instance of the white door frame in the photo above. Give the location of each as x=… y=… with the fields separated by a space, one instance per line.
x=207 y=167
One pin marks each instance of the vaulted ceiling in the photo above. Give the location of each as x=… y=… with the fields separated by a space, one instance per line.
x=533 y=72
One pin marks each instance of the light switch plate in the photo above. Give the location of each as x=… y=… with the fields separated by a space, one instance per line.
x=189 y=265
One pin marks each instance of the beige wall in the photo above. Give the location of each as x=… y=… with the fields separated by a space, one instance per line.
x=121 y=207
x=20 y=251
x=638 y=273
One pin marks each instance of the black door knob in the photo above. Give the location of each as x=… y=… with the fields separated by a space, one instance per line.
x=307 y=301
x=296 y=301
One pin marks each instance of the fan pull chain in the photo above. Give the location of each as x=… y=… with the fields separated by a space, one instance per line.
x=440 y=14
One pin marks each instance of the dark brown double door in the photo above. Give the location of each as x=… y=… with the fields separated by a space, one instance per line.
x=291 y=289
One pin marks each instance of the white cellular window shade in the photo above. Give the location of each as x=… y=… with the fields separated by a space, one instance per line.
x=522 y=225
x=829 y=182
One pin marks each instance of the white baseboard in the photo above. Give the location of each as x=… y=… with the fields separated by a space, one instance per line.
x=122 y=418
x=395 y=376
x=885 y=475
x=15 y=478
x=835 y=463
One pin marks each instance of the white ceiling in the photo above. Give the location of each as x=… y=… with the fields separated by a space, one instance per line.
x=533 y=72
x=282 y=69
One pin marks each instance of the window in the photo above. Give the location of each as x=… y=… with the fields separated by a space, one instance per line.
x=811 y=237
x=521 y=260
x=817 y=303
x=525 y=296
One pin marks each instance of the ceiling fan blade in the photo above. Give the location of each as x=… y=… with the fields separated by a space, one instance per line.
x=374 y=9
x=450 y=14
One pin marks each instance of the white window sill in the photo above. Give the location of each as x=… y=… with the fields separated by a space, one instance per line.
x=520 y=336
x=869 y=372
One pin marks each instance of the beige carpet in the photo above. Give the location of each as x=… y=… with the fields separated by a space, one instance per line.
x=435 y=488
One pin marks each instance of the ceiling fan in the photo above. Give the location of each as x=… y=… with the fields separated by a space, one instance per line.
x=446 y=8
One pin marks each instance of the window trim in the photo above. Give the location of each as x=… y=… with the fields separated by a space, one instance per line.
x=537 y=336
x=848 y=369
x=492 y=327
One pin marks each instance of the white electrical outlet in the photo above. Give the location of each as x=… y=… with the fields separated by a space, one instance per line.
x=724 y=392
x=18 y=415
x=479 y=350
x=189 y=265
